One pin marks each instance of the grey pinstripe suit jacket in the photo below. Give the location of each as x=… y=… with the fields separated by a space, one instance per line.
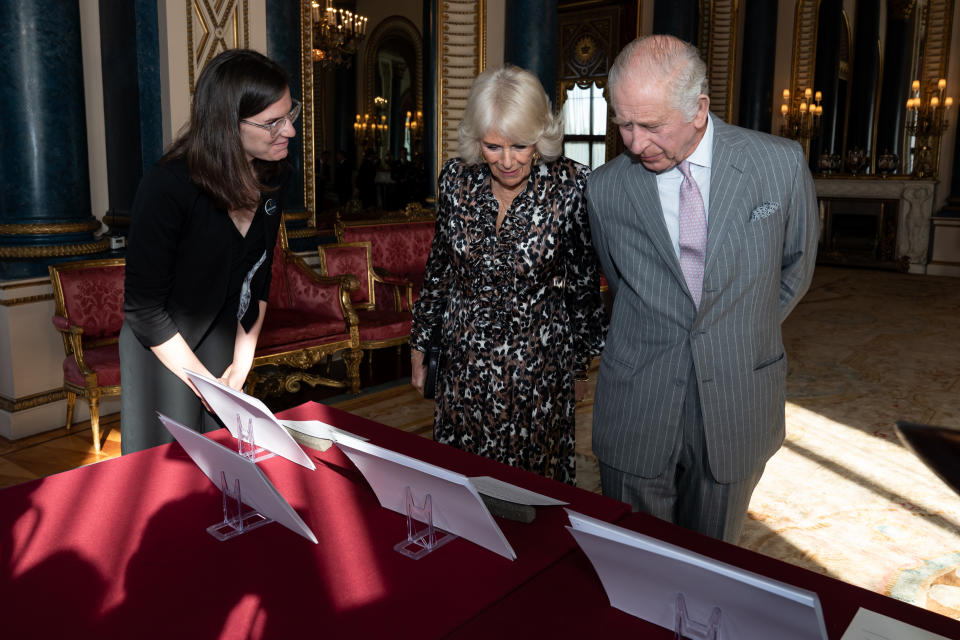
x=762 y=235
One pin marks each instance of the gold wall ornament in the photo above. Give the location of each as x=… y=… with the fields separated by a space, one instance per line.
x=718 y=47
x=12 y=405
x=221 y=25
x=53 y=250
x=46 y=228
x=13 y=302
x=460 y=58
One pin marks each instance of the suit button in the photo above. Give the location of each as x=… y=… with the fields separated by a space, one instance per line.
x=679 y=382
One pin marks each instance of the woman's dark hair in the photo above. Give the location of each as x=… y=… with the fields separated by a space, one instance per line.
x=237 y=84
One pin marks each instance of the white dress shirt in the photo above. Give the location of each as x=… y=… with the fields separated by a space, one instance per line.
x=668 y=184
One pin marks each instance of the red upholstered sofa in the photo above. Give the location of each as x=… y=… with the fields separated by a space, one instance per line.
x=383 y=322
x=309 y=318
x=399 y=249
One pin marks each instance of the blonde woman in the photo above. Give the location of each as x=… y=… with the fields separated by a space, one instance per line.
x=512 y=283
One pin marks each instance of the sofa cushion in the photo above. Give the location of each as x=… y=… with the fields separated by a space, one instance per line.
x=104 y=360
x=401 y=248
x=289 y=327
x=383 y=325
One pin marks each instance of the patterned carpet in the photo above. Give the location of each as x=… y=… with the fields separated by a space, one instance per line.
x=843 y=497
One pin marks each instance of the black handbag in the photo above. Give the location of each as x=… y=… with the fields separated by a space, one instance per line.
x=432 y=356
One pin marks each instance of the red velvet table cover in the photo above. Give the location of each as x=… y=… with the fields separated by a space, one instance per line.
x=568 y=600
x=119 y=549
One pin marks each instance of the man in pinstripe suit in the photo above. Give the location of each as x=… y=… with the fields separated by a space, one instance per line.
x=707 y=234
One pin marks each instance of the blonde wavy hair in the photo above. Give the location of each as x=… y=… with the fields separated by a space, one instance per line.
x=510 y=101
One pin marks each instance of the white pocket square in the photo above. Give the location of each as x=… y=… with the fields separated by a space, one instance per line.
x=764 y=210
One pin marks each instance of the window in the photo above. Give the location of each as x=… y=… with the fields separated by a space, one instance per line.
x=585 y=125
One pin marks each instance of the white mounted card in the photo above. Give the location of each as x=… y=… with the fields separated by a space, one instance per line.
x=512 y=493
x=869 y=625
x=457 y=507
x=643 y=575
x=318 y=429
x=228 y=403
x=256 y=490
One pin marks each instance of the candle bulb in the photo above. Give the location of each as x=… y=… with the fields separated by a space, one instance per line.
x=934 y=102
x=786 y=94
x=941 y=84
x=807 y=93
x=818 y=96
x=803 y=107
x=947 y=102
x=783 y=109
x=915 y=86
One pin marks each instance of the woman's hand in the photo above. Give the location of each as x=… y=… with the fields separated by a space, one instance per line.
x=418 y=371
x=580 y=389
x=232 y=377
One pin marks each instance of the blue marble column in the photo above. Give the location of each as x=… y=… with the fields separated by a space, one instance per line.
x=531 y=40
x=284 y=48
x=756 y=68
x=677 y=18
x=896 y=81
x=45 y=205
x=826 y=80
x=430 y=67
x=864 y=85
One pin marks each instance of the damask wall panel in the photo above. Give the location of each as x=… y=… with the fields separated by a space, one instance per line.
x=461 y=57
x=213 y=26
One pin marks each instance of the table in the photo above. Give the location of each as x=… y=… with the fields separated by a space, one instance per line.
x=567 y=600
x=119 y=549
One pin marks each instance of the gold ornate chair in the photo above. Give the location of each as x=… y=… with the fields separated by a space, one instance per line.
x=380 y=322
x=88 y=301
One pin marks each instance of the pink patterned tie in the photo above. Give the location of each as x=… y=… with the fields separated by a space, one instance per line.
x=693 y=233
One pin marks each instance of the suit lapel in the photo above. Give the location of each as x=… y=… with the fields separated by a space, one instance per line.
x=641 y=188
x=727 y=172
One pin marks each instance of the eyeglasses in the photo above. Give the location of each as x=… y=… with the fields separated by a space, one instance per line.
x=275 y=127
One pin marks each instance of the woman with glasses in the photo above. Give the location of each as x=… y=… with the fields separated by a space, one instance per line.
x=203 y=227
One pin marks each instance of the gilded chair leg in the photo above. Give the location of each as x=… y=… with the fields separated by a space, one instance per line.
x=352 y=359
x=95 y=422
x=71 y=401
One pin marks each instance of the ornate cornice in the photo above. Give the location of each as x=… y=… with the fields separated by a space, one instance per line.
x=53 y=250
x=13 y=302
x=12 y=405
x=47 y=228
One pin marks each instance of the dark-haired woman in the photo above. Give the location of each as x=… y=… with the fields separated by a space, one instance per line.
x=203 y=228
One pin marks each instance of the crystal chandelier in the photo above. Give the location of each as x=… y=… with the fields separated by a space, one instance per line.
x=336 y=33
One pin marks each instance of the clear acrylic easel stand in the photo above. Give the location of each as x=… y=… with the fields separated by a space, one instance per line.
x=245 y=444
x=235 y=519
x=419 y=543
x=688 y=628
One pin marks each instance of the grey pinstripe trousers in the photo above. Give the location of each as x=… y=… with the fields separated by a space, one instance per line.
x=686 y=492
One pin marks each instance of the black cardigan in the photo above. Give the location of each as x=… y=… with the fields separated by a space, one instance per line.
x=178 y=262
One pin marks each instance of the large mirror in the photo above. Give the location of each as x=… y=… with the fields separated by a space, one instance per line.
x=365 y=134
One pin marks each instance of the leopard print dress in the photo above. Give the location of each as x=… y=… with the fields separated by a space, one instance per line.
x=520 y=311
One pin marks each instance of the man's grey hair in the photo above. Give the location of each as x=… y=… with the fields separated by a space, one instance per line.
x=667 y=60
